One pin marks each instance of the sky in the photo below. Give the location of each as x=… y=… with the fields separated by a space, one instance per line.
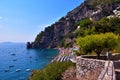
x=22 y=20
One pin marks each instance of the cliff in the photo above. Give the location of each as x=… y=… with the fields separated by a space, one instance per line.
x=52 y=36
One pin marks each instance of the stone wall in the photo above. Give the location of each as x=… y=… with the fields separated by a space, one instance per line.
x=89 y=69
x=93 y=69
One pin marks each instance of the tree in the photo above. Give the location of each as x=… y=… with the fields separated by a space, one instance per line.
x=98 y=42
x=85 y=23
x=108 y=25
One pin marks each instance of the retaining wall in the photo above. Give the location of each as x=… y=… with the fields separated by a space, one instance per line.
x=93 y=69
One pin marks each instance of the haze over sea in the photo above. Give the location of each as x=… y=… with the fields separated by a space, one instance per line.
x=16 y=62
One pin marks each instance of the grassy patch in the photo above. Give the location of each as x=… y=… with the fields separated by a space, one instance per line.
x=52 y=71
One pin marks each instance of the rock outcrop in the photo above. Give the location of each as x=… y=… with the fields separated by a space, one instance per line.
x=29 y=45
x=52 y=35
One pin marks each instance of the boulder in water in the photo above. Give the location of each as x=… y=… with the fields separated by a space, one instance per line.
x=29 y=45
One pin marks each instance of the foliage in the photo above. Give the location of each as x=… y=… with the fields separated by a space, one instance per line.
x=62 y=43
x=88 y=27
x=70 y=35
x=92 y=42
x=94 y=3
x=65 y=44
x=52 y=71
x=77 y=53
x=80 y=32
x=85 y=22
x=93 y=27
x=39 y=36
x=48 y=31
x=85 y=31
x=90 y=31
x=102 y=26
x=108 y=25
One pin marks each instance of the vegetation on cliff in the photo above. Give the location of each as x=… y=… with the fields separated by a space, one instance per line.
x=39 y=36
x=96 y=35
x=95 y=3
x=102 y=26
x=63 y=29
x=52 y=71
x=88 y=27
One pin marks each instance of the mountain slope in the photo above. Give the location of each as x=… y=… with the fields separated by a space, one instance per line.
x=52 y=36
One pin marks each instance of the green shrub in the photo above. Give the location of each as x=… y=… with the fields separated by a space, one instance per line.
x=102 y=26
x=108 y=25
x=85 y=22
x=52 y=71
x=97 y=42
x=76 y=52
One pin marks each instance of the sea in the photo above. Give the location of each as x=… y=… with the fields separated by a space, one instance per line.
x=17 y=62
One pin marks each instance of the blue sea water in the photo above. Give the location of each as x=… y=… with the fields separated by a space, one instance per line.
x=15 y=56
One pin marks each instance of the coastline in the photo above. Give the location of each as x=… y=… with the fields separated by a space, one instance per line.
x=54 y=59
x=64 y=54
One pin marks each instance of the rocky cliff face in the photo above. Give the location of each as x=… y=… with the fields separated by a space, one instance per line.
x=52 y=35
